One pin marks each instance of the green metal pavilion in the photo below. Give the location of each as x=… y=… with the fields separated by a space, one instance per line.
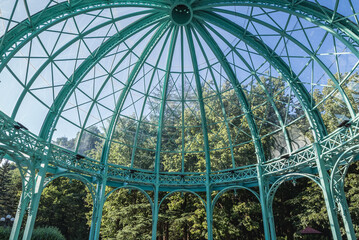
x=172 y=81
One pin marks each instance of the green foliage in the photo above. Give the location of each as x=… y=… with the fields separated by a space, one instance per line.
x=126 y=215
x=42 y=233
x=63 y=205
x=87 y=143
x=243 y=220
x=5 y=232
x=334 y=109
x=8 y=200
x=182 y=216
x=352 y=194
x=47 y=233
x=297 y=207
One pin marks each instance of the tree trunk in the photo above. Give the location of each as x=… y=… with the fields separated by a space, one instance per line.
x=167 y=231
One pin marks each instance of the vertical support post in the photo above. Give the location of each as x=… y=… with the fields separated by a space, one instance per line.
x=340 y=199
x=344 y=211
x=263 y=202
x=209 y=212
x=155 y=211
x=35 y=199
x=20 y=213
x=204 y=129
x=28 y=183
x=97 y=210
x=329 y=201
x=271 y=221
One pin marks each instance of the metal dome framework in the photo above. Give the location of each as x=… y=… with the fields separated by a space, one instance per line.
x=99 y=53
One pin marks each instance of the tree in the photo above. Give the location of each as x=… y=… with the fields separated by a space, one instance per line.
x=63 y=205
x=237 y=215
x=351 y=186
x=7 y=190
x=126 y=215
x=63 y=202
x=334 y=109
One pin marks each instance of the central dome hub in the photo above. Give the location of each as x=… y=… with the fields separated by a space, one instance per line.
x=181 y=14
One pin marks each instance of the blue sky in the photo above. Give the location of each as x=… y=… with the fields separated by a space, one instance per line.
x=34 y=107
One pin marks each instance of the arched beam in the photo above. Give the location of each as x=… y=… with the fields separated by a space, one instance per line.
x=65 y=93
x=214 y=201
x=75 y=176
x=300 y=91
x=120 y=102
x=108 y=78
x=61 y=50
x=313 y=12
x=144 y=104
x=273 y=189
x=28 y=29
x=236 y=86
x=337 y=178
x=245 y=108
x=306 y=50
x=133 y=188
x=163 y=102
x=197 y=78
x=268 y=95
x=341 y=166
x=219 y=98
x=182 y=190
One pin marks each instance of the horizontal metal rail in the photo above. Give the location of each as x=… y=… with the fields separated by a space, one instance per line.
x=15 y=137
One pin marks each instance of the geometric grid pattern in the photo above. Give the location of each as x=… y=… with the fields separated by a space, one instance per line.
x=180 y=96
x=250 y=73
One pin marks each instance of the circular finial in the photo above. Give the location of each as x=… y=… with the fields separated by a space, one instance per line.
x=181 y=14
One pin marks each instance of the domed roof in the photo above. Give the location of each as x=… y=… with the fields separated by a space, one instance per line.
x=179 y=86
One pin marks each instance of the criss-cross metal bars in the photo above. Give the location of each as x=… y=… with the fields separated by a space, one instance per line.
x=15 y=138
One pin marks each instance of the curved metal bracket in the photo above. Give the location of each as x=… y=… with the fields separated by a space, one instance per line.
x=214 y=201
x=340 y=169
x=273 y=189
x=75 y=176
x=134 y=188
x=182 y=190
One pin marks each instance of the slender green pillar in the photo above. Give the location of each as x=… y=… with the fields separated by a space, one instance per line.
x=99 y=201
x=328 y=199
x=340 y=199
x=28 y=183
x=209 y=212
x=155 y=211
x=35 y=199
x=271 y=223
x=344 y=211
x=269 y=207
x=263 y=201
x=21 y=209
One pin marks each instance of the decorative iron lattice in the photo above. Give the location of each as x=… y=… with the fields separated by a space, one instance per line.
x=195 y=96
x=24 y=142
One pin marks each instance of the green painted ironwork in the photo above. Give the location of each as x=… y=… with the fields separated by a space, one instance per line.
x=181 y=49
